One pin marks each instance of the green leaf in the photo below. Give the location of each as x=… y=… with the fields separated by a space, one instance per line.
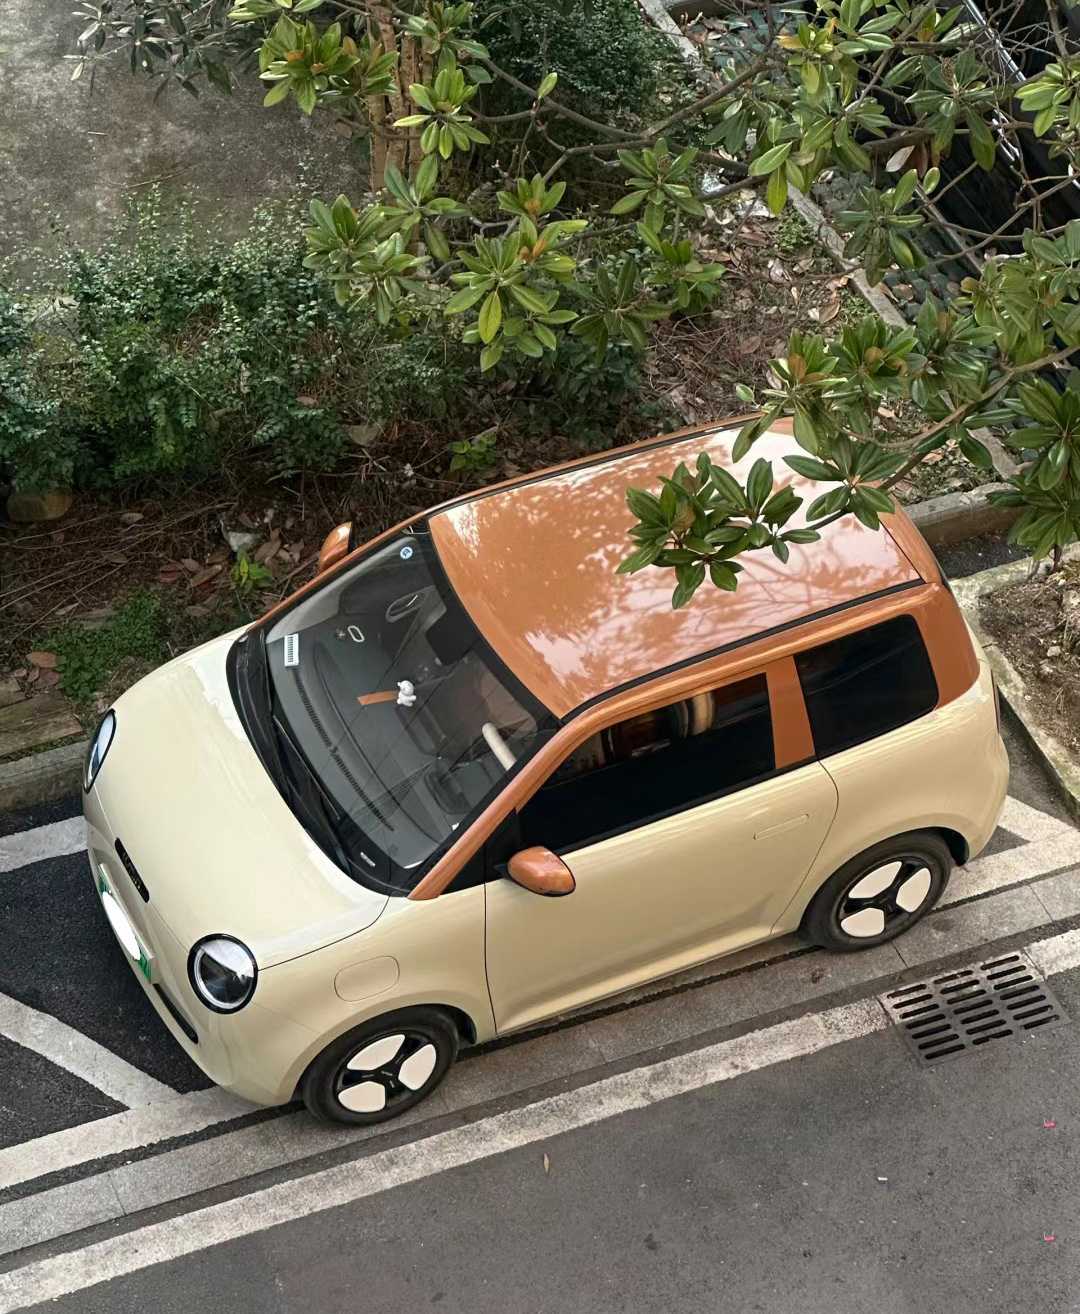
x=277 y=93
x=690 y=577
x=811 y=469
x=644 y=556
x=490 y=356
x=770 y=160
x=759 y=483
x=490 y=316
x=547 y=86
x=625 y=204
x=723 y=576
x=776 y=191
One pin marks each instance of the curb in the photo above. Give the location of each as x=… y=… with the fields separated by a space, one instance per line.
x=1055 y=758
x=41 y=777
x=953 y=517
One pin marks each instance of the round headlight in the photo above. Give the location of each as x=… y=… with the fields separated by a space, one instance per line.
x=100 y=741
x=223 y=973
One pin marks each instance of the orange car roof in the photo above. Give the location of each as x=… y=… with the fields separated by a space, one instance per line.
x=534 y=565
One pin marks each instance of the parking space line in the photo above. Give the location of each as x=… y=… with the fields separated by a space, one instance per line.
x=1031 y=823
x=1035 y=859
x=75 y=1270
x=52 y=841
x=119 y=1132
x=70 y=1049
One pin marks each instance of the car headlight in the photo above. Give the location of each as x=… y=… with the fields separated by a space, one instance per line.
x=100 y=742
x=223 y=973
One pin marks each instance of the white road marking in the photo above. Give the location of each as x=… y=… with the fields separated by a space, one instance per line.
x=52 y=841
x=1054 y=845
x=152 y=1123
x=63 y=1274
x=1038 y=858
x=1030 y=823
x=63 y=1045
x=1060 y=953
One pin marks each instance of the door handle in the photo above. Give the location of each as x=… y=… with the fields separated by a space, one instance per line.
x=782 y=826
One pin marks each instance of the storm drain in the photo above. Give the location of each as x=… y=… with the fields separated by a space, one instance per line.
x=972 y=1006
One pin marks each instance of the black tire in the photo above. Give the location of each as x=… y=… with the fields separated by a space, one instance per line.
x=330 y=1077
x=835 y=905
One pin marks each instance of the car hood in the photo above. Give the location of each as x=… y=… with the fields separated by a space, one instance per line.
x=213 y=840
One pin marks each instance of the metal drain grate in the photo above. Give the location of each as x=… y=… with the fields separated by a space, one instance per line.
x=956 y=1013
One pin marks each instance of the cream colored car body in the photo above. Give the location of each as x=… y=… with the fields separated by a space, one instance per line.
x=220 y=852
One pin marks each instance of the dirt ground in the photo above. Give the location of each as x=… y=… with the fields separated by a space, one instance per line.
x=1037 y=624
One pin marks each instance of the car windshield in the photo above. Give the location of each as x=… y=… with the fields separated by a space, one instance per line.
x=407 y=720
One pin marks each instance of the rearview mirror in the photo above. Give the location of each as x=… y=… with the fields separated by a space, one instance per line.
x=335 y=546
x=541 y=871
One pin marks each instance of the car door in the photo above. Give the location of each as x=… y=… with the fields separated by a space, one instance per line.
x=685 y=838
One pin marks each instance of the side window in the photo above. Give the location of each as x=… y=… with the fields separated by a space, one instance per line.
x=653 y=764
x=866 y=683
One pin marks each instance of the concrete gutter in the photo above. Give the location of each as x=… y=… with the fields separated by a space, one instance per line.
x=1058 y=762
x=954 y=517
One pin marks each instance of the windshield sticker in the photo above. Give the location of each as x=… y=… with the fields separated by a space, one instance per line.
x=292 y=649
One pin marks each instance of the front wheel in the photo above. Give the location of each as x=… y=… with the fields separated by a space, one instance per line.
x=880 y=893
x=382 y=1068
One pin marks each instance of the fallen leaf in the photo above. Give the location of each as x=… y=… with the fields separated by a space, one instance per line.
x=547 y=1164
x=191 y=565
x=748 y=345
x=65 y=611
x=117 y=558
x=170 y=574
x=57 y=536
x=828 y=312
x=205 y=576
x=777 y=271
x=48 y=679
x=46 y=660
x=196 y=610
x=267 y=550
x=130 y=517
x=307 y=401
x=32 y=675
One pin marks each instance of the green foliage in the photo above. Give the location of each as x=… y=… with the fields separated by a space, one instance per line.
x=248 y=576
x=474 y=454
x=88 y=658
x=172 y=356
x=610 y=62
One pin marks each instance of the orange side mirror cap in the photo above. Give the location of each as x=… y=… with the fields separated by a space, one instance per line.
x=335 y=546
x=541 y=871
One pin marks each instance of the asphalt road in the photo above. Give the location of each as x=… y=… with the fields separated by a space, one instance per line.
x=838 y=1183
x=844 y=1179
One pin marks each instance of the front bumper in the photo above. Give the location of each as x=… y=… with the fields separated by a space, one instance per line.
x=251 y=1053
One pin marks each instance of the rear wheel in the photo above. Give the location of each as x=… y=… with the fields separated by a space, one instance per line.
x=880 y=893
x=382 y=1068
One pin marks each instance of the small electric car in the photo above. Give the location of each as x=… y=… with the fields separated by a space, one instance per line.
x=469 y=778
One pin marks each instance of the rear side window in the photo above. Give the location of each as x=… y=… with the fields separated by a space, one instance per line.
x=866 y=683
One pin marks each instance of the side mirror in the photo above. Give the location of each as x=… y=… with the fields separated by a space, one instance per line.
x=541 y=871
x=335 y=546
